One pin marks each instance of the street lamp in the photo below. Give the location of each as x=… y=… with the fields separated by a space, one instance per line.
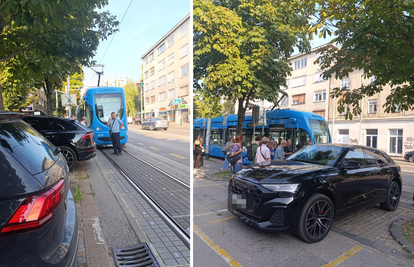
x=98 y=72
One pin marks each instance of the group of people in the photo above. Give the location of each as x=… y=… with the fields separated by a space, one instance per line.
x=265 y=149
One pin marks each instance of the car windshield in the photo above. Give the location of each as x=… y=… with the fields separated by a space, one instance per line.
x=317 y=154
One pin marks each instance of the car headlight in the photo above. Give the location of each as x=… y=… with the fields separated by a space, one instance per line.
x=289 y=188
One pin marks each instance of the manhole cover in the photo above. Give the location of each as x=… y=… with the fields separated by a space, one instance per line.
x=135 y=256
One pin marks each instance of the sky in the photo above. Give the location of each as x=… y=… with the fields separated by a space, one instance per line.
x=145 y=23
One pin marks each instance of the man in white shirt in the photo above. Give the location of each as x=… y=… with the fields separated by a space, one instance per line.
x=263 y=153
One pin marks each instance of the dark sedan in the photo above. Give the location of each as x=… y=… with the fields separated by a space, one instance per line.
x=75 y=140
x=409 y=156
x=38 y=221
x=307 y=192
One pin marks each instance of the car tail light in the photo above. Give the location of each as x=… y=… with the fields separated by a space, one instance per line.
x=168 y=122
x=88 y=136
x=155 y=123
x=36 y=211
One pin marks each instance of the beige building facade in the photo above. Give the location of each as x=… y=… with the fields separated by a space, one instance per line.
x=167 y=68
x=39 y=105
x=117 y=82
x=308 y=91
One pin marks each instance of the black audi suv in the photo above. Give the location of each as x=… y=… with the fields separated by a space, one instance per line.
x=38 y=221
x=75 y=140
x=305 y=193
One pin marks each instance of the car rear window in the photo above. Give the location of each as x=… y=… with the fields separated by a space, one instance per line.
x=27 y=146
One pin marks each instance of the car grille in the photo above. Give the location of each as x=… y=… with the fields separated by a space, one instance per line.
x=278 y=218
x=253 y=193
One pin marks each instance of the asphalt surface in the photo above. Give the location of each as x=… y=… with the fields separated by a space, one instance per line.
x=360 y=239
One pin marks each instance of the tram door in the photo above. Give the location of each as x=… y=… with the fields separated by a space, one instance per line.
x=198 y=132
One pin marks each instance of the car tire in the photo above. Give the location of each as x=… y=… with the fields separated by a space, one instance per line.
x=151 y=128
x=142 y=127
x=165 y=129
x=70 y=156
x=312 y=211
x=393 y=197
x=410 y=159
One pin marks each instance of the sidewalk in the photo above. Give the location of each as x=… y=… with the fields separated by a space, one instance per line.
x=210 y=167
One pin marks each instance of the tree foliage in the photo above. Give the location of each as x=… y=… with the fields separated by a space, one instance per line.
x=376 y=37
x=242 y=48
x=133 y=101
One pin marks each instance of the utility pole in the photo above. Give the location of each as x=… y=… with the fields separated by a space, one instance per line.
x=70 y=104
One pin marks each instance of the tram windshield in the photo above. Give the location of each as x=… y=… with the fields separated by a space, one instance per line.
x=105 y=104
x=320 y=131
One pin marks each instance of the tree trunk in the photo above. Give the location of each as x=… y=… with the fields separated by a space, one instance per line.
x=241 y=113
x=1 y=99
x=49 y=92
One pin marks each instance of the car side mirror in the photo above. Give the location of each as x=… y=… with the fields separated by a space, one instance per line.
x=351 y=164
x=57 y=151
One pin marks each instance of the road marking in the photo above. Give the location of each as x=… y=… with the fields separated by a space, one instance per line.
x=178 y=156
x=221 y=252
x=97 y=231
x=212 y=206
x=210 y=213
x=155 y=148
x=343 y=257
x=219 y=220
x=407 y=171
x=140 y=144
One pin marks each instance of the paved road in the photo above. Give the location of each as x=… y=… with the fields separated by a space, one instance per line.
x=360 y=239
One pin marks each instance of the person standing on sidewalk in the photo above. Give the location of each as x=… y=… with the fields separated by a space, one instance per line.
x=263 y=153
x=256 y=144
x=237 y=149
x=288 y=150
x=280 y=151
x=115 y=124
x=229 y=146
x=198 y=150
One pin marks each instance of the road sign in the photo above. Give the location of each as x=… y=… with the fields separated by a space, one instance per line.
x=66 y=101
x=177 y=101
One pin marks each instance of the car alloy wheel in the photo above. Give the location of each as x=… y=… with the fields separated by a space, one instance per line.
x=165 y=129
x=151 y=128
x=393 y=197
x=70 y=156
x=410 y=159
x=142 y=127
x=316 y=218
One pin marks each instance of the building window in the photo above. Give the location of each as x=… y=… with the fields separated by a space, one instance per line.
x=184 y=30
x=320 y=112
x=396 y=141
x=161 y=49
x=345 y=83
x=397 y=108
x=161 y=81
x=152 y=71
x=298 y=64
x=184 y=51
x=372 y=106
x=147 y=100
x=345 y=110
x=372 y=137
x=318 y=77
x=152 y=85
x=299 y=81
x=170 y=77
x=146 y=87
x=184 y=90
x=372 y=79
x=170 y=59
x=146 y=75
x=161 y=65
x=161 y=96
x=171 y=94
x=170 y=40
x=152 y=99
x=151 y=56
x=298 y=99
x=184 y=70
x=146 y=61
x=320 y=96
x=284 y=102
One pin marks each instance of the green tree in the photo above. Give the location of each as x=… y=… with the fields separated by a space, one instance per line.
x=207 y=107
x=132 y=98
x=228 y=107
x=376 y=37
x=242 y=48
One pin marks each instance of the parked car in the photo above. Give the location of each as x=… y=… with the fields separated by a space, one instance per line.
x=409 y=156
x=155 y=123
x=75 y=140
x=319 y=183
x=38 y=221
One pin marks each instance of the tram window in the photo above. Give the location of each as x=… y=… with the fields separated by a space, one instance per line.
x=215 y=137
x=301 y=138
x=89 y=115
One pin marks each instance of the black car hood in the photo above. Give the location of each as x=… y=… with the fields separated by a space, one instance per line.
x=287 y=172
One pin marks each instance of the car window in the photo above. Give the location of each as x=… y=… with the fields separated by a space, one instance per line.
x=320 y=155
x=60 y=125
x=375 y=157
x=386 y=157
x=40 y=124
x=27 y=146
x=355 y=155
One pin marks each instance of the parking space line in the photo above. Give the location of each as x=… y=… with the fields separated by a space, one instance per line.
x=224 y=219
x=221 y=252
x=155 y=148
x=178 y=156
x=343 y=257
x=140 y=144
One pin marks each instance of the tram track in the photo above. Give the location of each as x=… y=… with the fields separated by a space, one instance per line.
x=168 y=196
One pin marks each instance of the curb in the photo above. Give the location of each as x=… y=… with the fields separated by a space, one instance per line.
x=397 y=234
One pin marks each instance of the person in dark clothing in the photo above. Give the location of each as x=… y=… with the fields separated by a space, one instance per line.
x=115 y=124
x=288 y=150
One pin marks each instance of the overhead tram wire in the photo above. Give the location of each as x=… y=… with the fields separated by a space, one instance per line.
x=115 y=32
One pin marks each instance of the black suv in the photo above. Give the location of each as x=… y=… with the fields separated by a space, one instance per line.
x=75 y=140
x=38 y=221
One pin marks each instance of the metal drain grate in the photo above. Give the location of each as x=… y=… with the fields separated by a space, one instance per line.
x=135 y=256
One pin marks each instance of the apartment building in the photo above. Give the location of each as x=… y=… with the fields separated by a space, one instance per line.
x=117 y=82
x=167 y=66
x=39 y=105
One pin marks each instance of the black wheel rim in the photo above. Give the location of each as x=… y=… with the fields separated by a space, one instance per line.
x=69 y=157
x=394 y=195
x=319 y=219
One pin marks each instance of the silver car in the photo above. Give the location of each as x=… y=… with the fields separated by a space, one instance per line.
x=155 y=123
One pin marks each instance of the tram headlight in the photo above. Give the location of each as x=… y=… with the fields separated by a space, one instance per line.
x=98 y=128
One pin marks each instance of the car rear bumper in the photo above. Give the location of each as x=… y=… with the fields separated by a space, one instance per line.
x=87 y=153
x=161 y=126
